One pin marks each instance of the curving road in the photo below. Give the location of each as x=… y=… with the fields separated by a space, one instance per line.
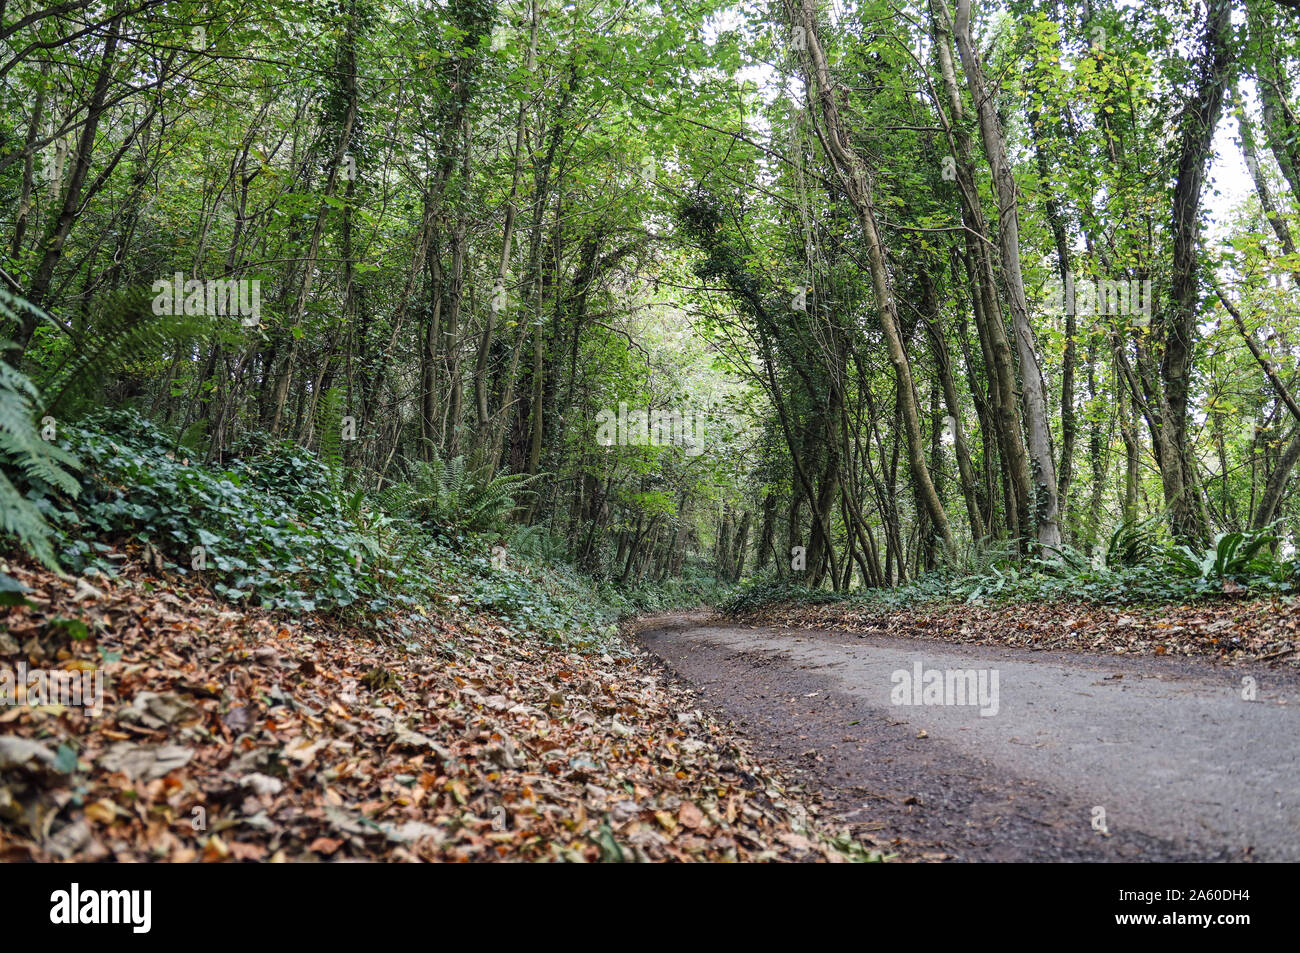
x=1181 y=766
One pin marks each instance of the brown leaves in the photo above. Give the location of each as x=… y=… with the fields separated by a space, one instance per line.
x=325 y=845
x=690 y=816
x=144 y=762
x=233 y=736
x=1237 y=631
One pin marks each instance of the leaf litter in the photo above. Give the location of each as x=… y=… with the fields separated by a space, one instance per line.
x=1229 y=631
x=237 y=735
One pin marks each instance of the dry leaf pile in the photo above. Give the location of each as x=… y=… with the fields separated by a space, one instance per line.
x=231 y=735
x=1230 y=630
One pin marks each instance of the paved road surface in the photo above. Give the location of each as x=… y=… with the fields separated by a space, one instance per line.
x=1183 y=766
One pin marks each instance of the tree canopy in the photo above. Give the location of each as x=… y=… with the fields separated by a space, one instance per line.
x=838 y=293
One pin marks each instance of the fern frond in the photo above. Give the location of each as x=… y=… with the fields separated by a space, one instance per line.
x=26 y=459
x=124 y=330
x=329 y=428
x=21 y=519
x=448 y=493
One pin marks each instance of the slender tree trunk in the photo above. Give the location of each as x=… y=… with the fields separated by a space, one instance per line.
x=1034 y=386
x=52 y=245
x=943 y=362
x=29 y=168
x=1178 y=316
x=998 y=358
x=852 y=174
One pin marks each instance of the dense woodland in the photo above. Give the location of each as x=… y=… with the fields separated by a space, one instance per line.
x=844 y=293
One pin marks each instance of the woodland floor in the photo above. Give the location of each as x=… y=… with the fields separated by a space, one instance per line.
x=299 y=741
x=1185 y=768
x=236 y=735
x=1227 y=630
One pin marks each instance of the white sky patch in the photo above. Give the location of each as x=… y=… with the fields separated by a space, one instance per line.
x=1228 y=173
x=1229 y=184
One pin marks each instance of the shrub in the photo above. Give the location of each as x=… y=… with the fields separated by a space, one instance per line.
x=447 y=495
x=272 y=529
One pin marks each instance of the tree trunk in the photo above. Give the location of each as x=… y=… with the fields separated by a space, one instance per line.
x=1178 y=318
x=853 y=176
x=1037 y=426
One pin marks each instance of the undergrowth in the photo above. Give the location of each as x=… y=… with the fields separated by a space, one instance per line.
x=275 y=527
x=1139 y=568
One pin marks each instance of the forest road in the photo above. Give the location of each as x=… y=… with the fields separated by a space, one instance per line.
x=1183 y=766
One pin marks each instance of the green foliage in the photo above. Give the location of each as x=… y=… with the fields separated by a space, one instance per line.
x=536 y=544
x=329 y=427
x=372 y=212
x=123 y=332
x=1140 y=569
x=13 y=309
x=27 y=461
x=1133 y=544
x=1242 y=558
x=770 y=591
x=446 y=495
x=277 y=530
x=554 y=601
x=75 y=629
x=697 y=585
x=12 y=592
x=272 y=527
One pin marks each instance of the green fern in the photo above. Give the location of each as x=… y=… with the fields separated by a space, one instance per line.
x=1134 y=543
x=12 y=309
x=445 y=493
x=1232 y=555
x=124 y=332
x=328 y=424
x=28 y=460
